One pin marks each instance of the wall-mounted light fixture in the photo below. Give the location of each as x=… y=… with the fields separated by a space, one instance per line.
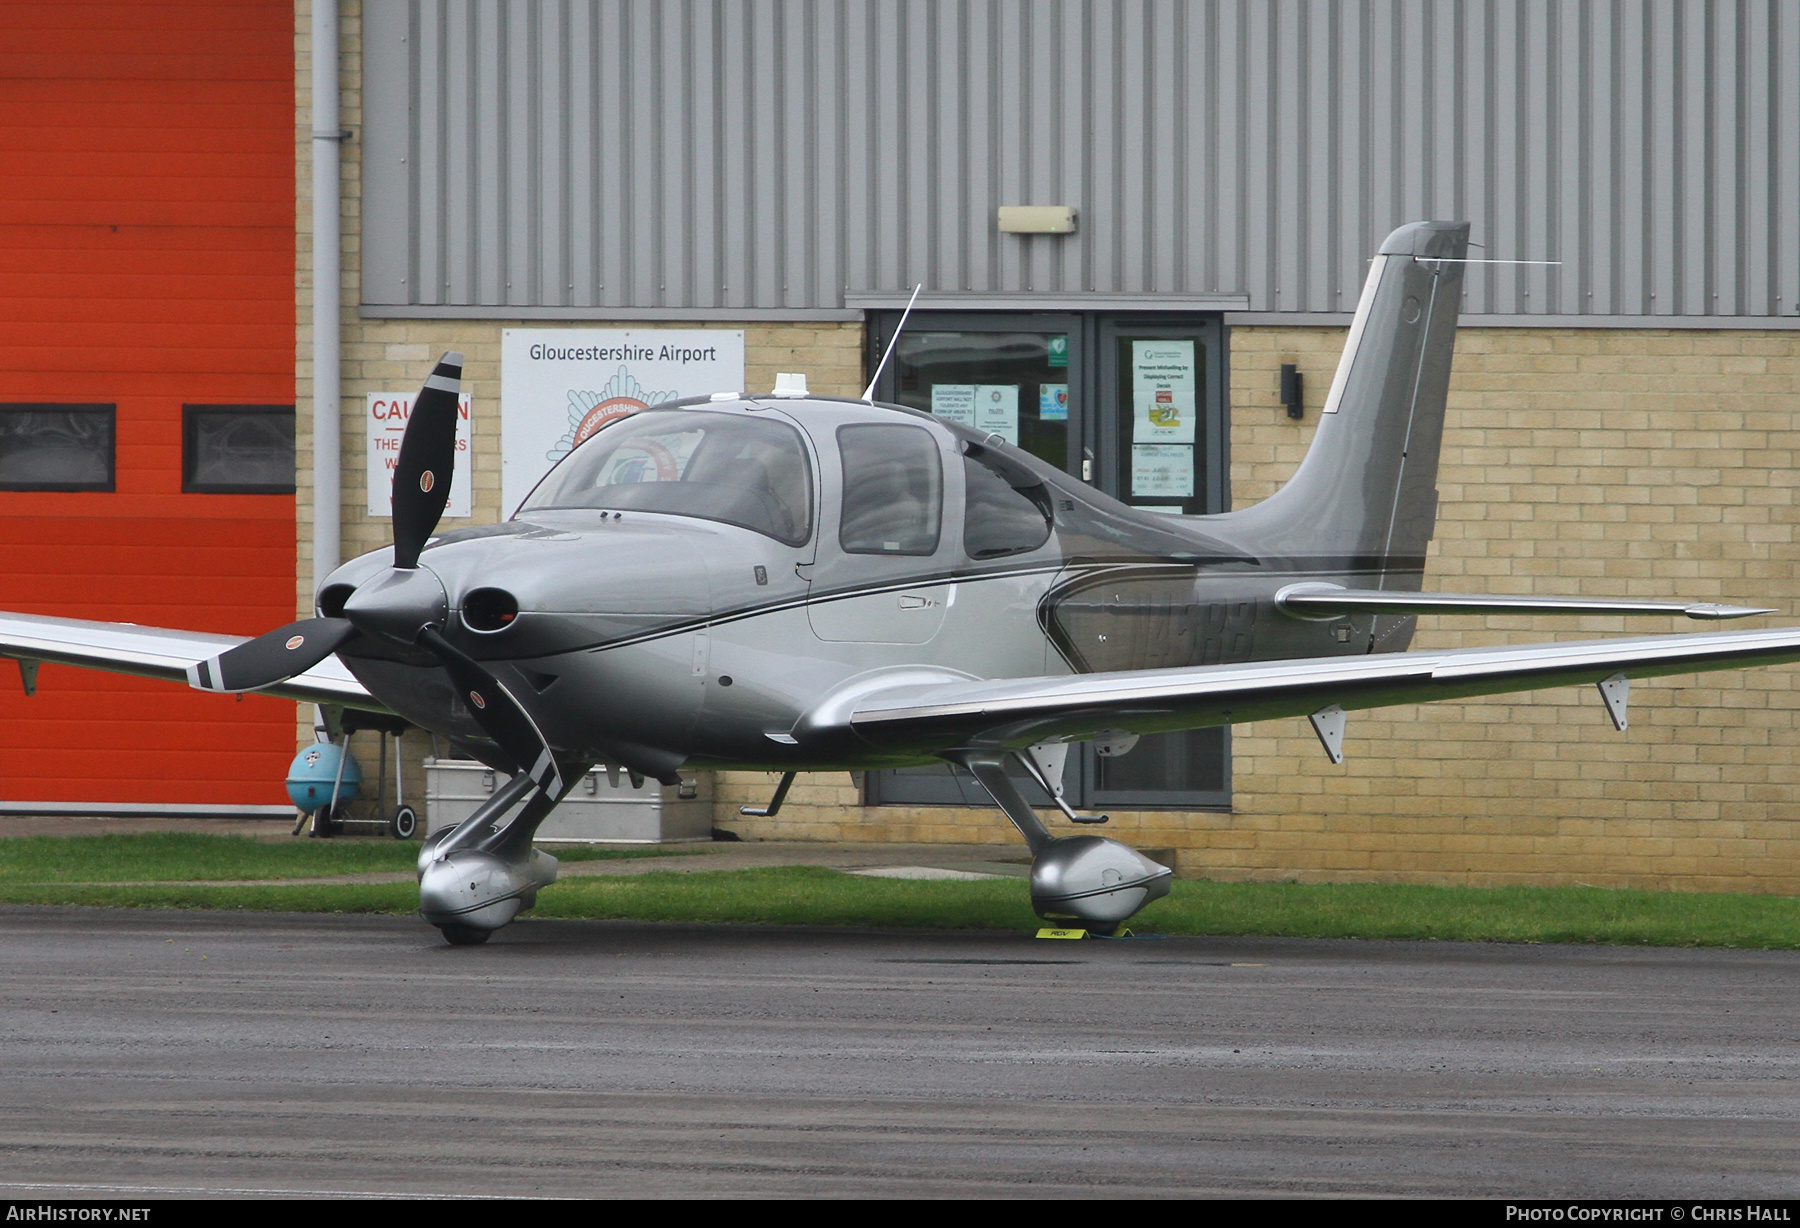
x=1292 y=390
x=1037 y=219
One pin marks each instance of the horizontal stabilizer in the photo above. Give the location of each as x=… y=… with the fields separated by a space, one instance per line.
x=1321 y=601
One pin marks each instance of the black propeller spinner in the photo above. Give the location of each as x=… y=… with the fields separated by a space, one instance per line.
x=404 y=604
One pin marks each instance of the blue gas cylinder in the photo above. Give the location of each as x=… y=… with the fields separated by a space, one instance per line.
x=312 y=771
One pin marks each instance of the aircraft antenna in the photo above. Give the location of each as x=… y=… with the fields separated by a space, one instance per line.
x=869 y=392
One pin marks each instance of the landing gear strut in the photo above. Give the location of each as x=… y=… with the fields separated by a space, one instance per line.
x=1091 y=879
x=479 y=875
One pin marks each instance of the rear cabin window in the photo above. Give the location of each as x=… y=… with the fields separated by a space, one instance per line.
x=1007 y=508
x=744 y=471
x=893 y=489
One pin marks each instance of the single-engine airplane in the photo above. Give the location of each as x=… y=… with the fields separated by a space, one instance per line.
x=799 y=583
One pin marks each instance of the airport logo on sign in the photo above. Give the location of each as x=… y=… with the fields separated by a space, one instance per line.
x=589 y=411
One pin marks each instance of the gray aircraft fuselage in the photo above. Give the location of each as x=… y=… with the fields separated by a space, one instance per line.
x=662 y=640
x=679 y=637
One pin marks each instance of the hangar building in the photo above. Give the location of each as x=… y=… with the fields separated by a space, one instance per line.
x=1209 y=176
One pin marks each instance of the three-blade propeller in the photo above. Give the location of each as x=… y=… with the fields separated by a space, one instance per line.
x=403 y=605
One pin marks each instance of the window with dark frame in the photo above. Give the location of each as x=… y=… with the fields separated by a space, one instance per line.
x=57 y=447
x=1006 y=509
x=237 y=449
x=893 y=489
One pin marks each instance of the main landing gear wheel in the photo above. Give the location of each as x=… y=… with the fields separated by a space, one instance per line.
x=464 y=935
x=403 y=824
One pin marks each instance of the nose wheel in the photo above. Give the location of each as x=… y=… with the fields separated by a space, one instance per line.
x=464 y=935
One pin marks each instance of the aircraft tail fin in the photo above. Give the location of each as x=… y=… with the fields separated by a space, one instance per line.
x=1366 y=492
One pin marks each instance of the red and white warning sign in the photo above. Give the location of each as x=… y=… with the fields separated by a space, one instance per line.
x=385 y=418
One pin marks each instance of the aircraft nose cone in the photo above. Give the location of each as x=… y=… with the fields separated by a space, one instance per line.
x=397 y=604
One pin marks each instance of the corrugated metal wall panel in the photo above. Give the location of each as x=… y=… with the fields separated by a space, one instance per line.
x=773 y=155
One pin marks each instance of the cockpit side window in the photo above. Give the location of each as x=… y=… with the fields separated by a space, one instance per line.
x=1007 y=508
x=751 y=472
x=893 y=489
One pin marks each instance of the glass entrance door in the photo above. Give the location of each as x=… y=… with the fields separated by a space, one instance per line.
x=1133 y=404
x=1162 y=404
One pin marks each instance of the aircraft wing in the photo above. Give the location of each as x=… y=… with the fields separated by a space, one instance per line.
x=157 y=652
x=930 y=717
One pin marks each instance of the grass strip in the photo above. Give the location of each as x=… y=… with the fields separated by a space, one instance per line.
x=808 y=895
x=196 y=857
x=1478 y=914
x=276 y=897
x=619 y=852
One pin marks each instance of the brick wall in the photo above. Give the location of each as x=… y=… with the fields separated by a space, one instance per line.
x=1594 y=462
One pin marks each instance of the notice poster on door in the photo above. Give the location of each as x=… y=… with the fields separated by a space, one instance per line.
x=1162 y=471
x=384 y=420
x=997 y=410
x=954 y=402
x=1053 y=402
x=1164 y=392
x=560 y=385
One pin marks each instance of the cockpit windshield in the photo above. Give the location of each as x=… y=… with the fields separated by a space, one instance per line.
x=745 y=471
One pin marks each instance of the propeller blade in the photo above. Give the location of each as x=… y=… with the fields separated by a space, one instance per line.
x=427 y=461
x=272 y=657
x=499 y=714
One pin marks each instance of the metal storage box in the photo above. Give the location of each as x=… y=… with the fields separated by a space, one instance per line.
x=594 y=812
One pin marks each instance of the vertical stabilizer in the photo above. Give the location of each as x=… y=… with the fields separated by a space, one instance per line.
x=1366 y=493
